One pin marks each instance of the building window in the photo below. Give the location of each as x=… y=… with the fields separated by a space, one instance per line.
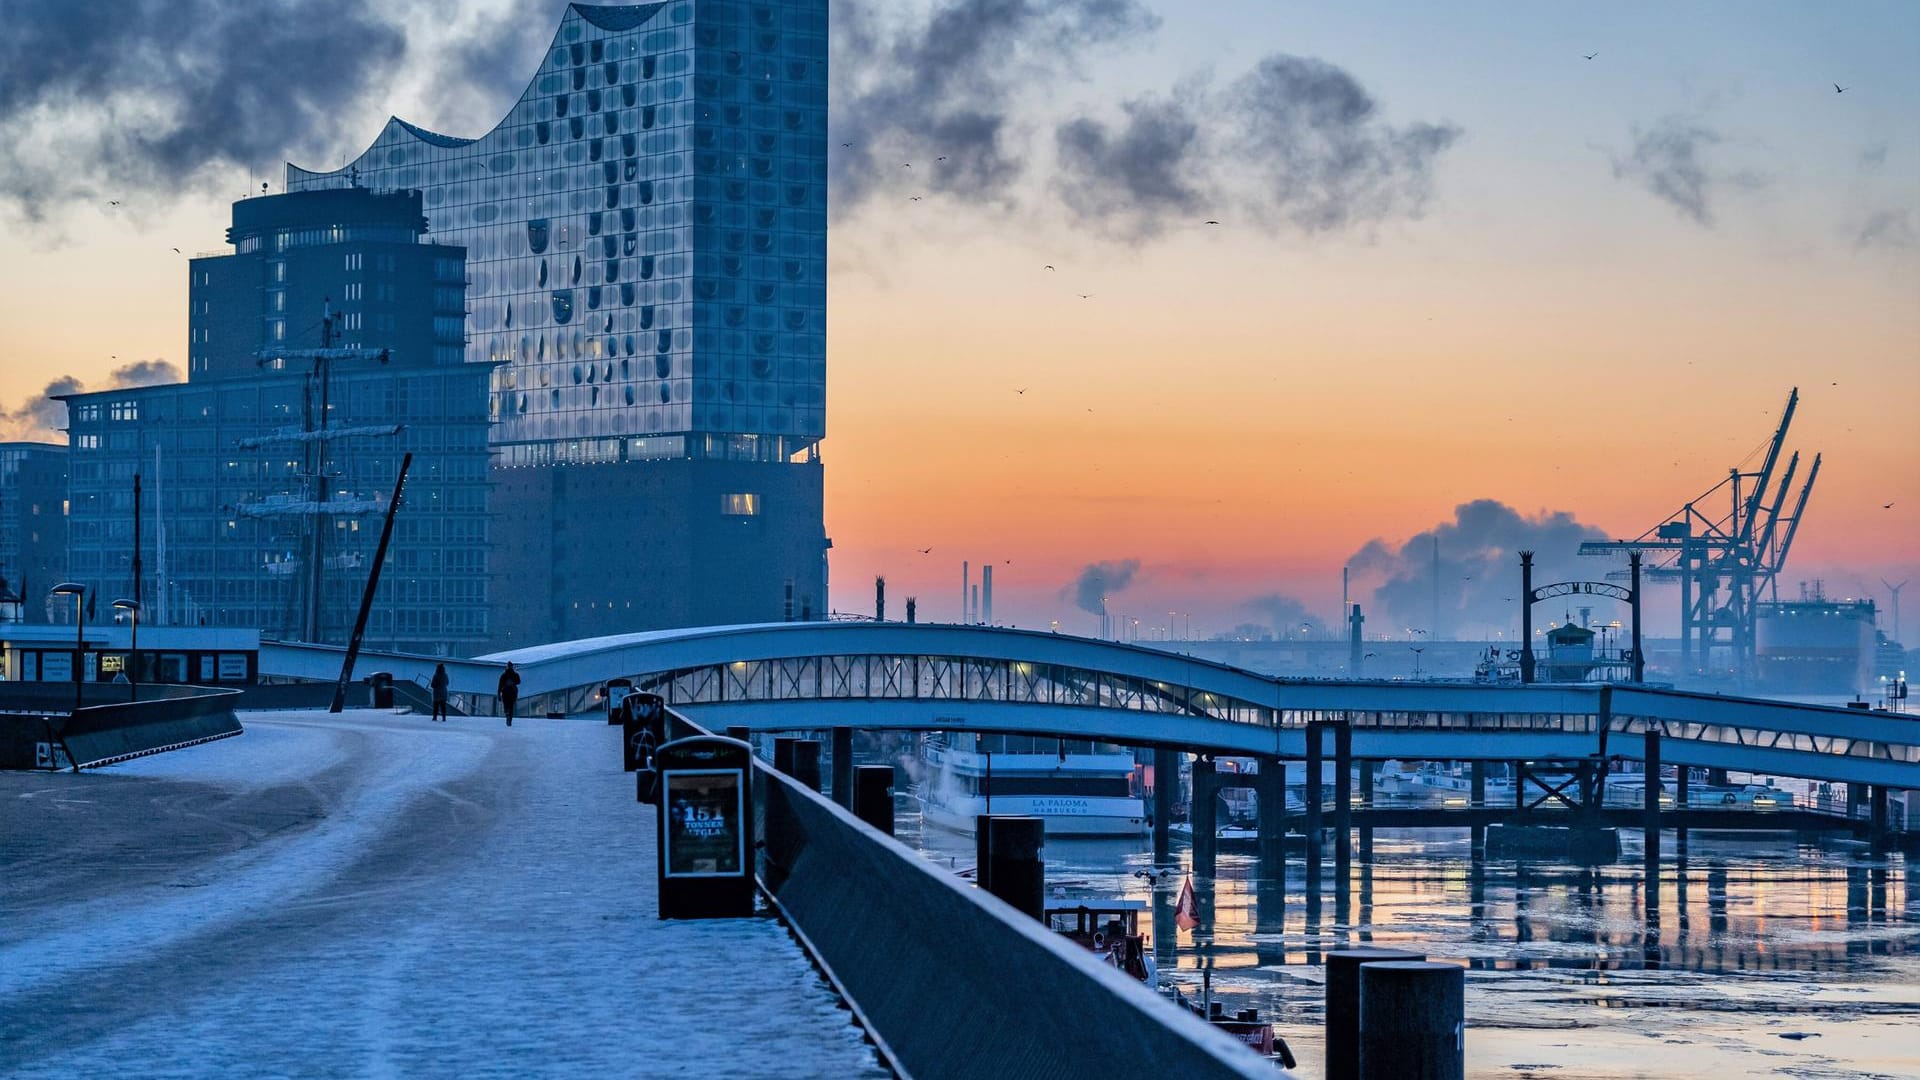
x=89 y=414
x=740 y=505
x=123 y=410
x=353 y=262
x=86 y=442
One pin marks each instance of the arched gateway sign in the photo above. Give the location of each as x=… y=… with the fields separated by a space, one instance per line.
x=1530 y=596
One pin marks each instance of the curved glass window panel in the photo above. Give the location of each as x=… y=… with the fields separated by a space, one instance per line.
x=593 y=222
x=543 y=131
x=630 y=346
x=562 y=306
x=648 y=67
x=613 y=196
x=611 y=74
x=593 y=97
x=613 y=269
x=735 y=316
x=560 y=105
x=537 y=236
x=646 y=312
x=663 y=365
x=612 y=120
x=629 y=94
x=576 y=270
x=596 y=51
x=593 y=298
x=663 y=341
x=632 y=244
x=626 y=220
x=578 y=52
x=646 y=268
x=595 y=147
x=541 y=274
x=628 y=144
x=579 y=79
x=666 y=393
x=644 y=189
x=796 y=319
x=731 y=265
x=576 y=375
x=508 y=323
x=576 y=126
x=609 y=172
x=632 y=169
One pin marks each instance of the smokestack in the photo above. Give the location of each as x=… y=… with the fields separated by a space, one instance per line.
x=912 y=604
x=1354 y=621
x=879 y=599
x=973 y=613
x=986 y=594
x=1433 y=630
x=966 y=588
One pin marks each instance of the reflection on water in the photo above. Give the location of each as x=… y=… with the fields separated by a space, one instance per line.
x=1763 y=957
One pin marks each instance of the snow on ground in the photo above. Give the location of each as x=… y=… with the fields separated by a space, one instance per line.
x=459 y=898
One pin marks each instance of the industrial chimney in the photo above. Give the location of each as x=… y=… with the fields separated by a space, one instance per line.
x=879 y=599
x=986 y=594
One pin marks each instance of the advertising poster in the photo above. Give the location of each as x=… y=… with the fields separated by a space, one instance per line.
x=705 y=834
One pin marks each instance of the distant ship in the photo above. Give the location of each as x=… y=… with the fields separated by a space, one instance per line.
x=1814 y=645
x=1078 y=788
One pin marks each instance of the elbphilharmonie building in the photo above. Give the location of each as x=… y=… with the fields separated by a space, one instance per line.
x=646 y=237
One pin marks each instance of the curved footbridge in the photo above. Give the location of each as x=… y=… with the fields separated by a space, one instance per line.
x=904 y=676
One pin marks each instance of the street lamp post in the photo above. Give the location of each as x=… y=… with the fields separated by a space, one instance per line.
x=132 y=608
x=78 y=592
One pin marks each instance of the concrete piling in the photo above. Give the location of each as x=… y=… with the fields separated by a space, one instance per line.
x=1018 y=870
x=1412 y=1021
x=1343 y=1006
x=842 y=754
x=873 y=796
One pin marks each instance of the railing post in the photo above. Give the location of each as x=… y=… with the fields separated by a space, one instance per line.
x=1877 y=819
x=1367 y=770
x=1476 y=802
x=1342 y=812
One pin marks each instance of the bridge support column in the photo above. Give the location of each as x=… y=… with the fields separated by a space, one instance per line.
x=1877 y=819
x=1315 y=796
x=1203 y=814
x=1519 y=785
x=1166 y=779
x=806 y=763
x=1343 y=816
x=1682 y=799
x=1367 y=769
x=1650 y=822
x=783 y=753
x=1476 y=800
x=1272 y=796
x=842 y=751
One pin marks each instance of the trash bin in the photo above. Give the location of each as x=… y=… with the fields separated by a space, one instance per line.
x=382 y=683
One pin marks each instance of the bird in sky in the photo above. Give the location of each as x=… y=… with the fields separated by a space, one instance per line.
x=113 y=202
x=906 y=164
x=1838 y=89
x=1086 y=296
x=915 y=198
x=176 y=251
x=1590 y=55
x=1049 y=267
x=926 y=551
x=1020 y=390
x=1886 y=506
x=1213 y=223
x=846 y=144
x=942 y=157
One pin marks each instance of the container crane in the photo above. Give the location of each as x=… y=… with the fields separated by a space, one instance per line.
x=1725 y=562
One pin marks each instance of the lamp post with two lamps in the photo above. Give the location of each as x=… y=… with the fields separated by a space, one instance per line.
x=78 y=592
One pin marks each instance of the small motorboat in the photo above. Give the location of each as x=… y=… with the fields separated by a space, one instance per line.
x=1108 y=928
x=1244 y=1024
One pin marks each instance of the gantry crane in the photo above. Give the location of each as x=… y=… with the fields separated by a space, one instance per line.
x=1725 y=562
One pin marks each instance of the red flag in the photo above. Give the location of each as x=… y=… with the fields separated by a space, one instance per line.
x=1186 y=913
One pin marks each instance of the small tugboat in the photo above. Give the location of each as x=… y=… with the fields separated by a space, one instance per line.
x=1110 y=929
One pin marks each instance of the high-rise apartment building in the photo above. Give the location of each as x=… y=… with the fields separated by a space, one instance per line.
x=324 y=348
x=33 y=526
x=646 y=239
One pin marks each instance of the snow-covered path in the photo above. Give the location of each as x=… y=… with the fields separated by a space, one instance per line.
x=379 y=895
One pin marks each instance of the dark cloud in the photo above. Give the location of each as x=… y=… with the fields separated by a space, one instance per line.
x=1100 y=580
x=145 y=373
x=1672 y=160
x=946 y=87
x=1310 y=135
x=42 y=418
x=1477 y=575
x=1296 y=143
x=1889 y=229
x=149 y=95
x=1284 y=615
x=1134 y=178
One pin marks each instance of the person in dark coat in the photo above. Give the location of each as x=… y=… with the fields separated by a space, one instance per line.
x=440 y=681
x=509 y=691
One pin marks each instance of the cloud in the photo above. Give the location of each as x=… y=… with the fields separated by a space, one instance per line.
x=1890 y=229
x=1873 y=156
x=915 y=92
x=41 y=418
x=1672 y=160
x=1294 y=144
x=1098 y=581
x=154 y=95
x=1134 y=177
x=1476 y=577
x=1284 y=615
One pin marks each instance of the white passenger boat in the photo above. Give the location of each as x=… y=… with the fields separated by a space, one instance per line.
x=1078 y=788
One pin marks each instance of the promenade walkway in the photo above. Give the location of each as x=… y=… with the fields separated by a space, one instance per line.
x=378 y=895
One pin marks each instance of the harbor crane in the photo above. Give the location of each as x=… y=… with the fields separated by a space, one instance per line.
x=1726 y=547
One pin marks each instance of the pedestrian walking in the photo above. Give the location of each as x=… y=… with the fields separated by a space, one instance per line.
x=509 y=691
x=440 y=681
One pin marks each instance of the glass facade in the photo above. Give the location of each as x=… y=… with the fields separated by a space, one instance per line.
x=224 y=542
x=645 y=234
x=33 y=526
